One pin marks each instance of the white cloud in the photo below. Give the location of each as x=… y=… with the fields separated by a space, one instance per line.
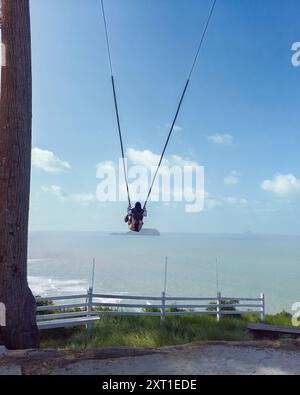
x=225 y=139
x=144 y=158
x=55 y=190
x=282 y=185
x=105 y=167
x=84 y=198
x=177 y=128
x=47 y=161
x=149 y=159
x=212 y=201
x=232 y=178
x=233 y=201
x=179 y=161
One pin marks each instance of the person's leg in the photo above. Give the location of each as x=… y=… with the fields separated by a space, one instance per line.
x=141 y=223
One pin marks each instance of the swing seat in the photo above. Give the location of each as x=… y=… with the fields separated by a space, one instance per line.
x=135 y=226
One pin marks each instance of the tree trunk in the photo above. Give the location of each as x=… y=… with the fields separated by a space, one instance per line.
x=20 y=331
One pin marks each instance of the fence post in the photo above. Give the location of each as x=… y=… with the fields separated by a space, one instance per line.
x=163 y=308
x=219 y=302
x=89 y=307
x=263 y=307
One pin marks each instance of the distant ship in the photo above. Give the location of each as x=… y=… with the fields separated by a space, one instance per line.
x=143 y=232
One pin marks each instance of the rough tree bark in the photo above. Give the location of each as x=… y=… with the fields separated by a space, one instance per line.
x=15 y=163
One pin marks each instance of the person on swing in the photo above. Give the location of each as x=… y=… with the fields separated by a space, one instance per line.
x=135 y=217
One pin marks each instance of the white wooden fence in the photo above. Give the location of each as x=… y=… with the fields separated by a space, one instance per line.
x=88 y=305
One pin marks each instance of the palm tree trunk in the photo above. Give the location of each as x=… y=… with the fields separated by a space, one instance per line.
x=20 y=331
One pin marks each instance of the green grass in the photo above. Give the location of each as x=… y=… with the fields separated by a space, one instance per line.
x=147 y=332
x=151 y=332
x=280 y=319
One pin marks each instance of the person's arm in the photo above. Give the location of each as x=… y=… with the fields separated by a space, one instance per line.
x=129 y=212
x=145 y=213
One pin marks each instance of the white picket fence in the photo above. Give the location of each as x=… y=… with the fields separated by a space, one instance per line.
x=152 y=306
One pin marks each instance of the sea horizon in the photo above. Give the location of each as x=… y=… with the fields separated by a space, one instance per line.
x=243 y=264
x=246 y=233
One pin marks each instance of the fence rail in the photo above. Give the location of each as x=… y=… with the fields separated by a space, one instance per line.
x=89 y=307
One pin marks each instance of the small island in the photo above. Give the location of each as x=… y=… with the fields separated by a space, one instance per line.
x=143 y=232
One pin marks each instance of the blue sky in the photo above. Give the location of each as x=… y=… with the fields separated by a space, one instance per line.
x=240 y=119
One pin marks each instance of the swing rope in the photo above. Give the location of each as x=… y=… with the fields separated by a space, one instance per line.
x=178 y=107
x=181 y=99
x=116 y=102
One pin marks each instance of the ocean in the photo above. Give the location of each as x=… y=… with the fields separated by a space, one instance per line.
x=60 y=263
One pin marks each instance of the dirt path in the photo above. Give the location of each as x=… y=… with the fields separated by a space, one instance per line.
x=250 y=358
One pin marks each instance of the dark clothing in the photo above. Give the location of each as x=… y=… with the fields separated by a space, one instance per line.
x=135 y=217
x=138 y=215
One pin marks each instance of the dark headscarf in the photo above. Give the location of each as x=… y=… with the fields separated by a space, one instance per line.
x=138 y=206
